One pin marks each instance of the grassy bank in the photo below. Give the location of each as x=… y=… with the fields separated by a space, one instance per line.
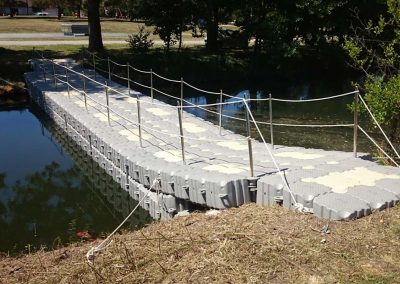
x=248 y=244
x=53 y=25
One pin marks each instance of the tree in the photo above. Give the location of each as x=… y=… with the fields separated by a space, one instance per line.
x=168 y=16
x=374 y=48
x=95 y=38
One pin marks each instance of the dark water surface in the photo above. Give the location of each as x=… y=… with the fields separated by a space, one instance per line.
x=50 y=189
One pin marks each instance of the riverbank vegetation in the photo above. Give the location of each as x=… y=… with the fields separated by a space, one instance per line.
x=250 y=244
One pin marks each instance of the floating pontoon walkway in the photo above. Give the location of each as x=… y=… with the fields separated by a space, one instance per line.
x=151 y=154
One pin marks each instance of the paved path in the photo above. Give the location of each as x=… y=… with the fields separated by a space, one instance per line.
x=51 y=35
x=7 y=42
x=331 y=184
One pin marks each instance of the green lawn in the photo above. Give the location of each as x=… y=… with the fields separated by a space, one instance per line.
x=52 y=25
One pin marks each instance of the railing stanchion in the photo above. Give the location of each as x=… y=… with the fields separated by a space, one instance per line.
x=109 y=69
x=94 y=66
x=139 y=120
x=44 y=73
x=151 y=85
x=249 y=143
x=108 y=104
x=54 y=75
x=181 y=133
x=84 y=89
x=181 y=96
x=67 y=80
x=355 y=129
x=220 y=111
x=129 y=78
x=271 y=127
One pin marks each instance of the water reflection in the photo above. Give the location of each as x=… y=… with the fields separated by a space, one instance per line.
x=46 y=197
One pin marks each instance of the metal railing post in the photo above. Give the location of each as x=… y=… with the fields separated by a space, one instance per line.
x=129 y=78
x=54 y=75
x=139 y=120
x=67 y=80
x=44 y=73
x=220 y=111
x=271 y=127
x=181 y=133
x=151 y=85
x=249 y=144
x=355 y=130
x=181 y=95
x=94 y=66
x=84 y=88
x=109 y=69
x=108 y=104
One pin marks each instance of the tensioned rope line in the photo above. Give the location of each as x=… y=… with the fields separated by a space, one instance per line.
x=379 y=126
x=232 y=117
x=141 y=124
x=91 y=253
x=379 y=147
x=297 y=205
x=191 y=105
x=227 y=95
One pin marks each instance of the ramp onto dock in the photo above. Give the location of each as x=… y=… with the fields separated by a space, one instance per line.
x=137 y=140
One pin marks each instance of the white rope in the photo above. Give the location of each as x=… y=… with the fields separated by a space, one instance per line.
x=201 y=90
x=379 y=126
x=118 y=64
x=309 y=100
x=140 y=71
x=376 y=144
x=166 y=79
x=93 y=250
x=297 y=205
x=205 y=105
x=141 y=124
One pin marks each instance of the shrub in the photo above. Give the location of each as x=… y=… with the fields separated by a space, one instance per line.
x=140 y=42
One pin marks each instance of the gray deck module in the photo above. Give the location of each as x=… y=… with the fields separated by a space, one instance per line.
x=331 y=184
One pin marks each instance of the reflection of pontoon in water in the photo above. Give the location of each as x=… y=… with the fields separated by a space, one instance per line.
x=118 y=202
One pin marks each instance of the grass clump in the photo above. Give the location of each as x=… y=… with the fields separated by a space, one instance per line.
x=247 y=244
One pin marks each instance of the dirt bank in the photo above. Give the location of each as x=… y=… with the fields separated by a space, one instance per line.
x=247 y=244
x=12 y=96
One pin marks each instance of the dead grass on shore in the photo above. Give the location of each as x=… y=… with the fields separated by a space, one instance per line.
x=248 y=244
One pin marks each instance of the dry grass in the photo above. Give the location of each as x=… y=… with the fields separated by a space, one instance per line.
x=247 y=244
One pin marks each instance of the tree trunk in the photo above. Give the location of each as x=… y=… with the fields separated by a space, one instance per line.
x=212 y=27
x=180 y=36
x=59 y=12
x=78 y=8
x=95 y=39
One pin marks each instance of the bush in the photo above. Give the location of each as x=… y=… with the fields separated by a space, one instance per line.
x=140 y=42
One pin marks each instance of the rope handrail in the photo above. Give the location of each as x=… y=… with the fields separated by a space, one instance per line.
x=167 y=79
x=215 y=104
x=308 y=100
x=297 y=205
x=140 y=71
x=118 y=64
x=201 y=90
x=141 y=124
x=94 y=249
x=379 y=147
x=379 y=126
x=230 y=96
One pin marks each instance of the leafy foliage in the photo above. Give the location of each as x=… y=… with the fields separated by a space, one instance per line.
x=374 y=48
x=140 y=42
